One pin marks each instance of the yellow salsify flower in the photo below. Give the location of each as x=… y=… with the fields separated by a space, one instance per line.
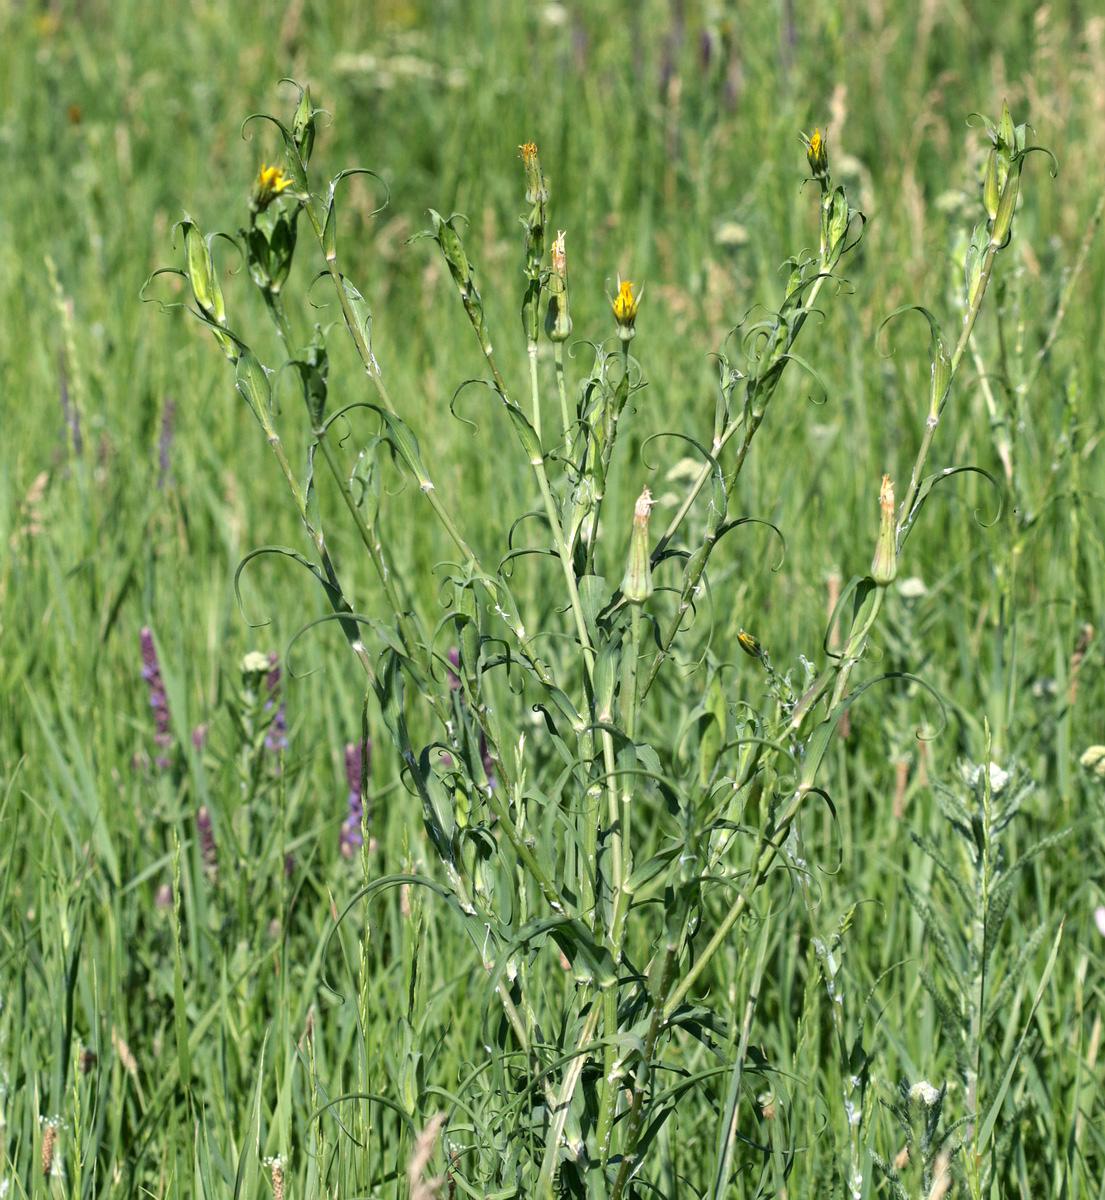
x=271 y=181
x=818 y=155
x=625 y=304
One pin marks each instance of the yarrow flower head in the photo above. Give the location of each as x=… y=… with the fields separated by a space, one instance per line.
x=270 y=182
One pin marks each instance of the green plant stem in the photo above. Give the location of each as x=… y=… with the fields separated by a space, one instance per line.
x=750 y=418
x=328 y=568
x=906 y=512
x=563 y=1102
x=562 y=392
x=771 y=844
x=644 y=1072
x=410 y=636
x=535 y=390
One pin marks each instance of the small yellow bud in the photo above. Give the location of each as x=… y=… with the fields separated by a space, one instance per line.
x=750 y=645
x=817 y=155
x=884 y=566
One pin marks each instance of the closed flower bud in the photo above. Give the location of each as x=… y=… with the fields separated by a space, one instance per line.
x=817 y=155
x=750 y=645
x=884 y=566
x=537 y=191
x=303 y=126
x=1003 y=219
x=637 y=581
x=558 y=320
x=991 y=188
x=625 y=306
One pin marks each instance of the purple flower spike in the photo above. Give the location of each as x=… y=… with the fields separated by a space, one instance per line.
x=453 y=656
x=352 y=833
x=159 y=702
x=165 y=444
x=208 y=851
x=276 y=740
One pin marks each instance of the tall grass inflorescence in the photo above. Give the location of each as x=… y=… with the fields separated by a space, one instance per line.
x=614 y=808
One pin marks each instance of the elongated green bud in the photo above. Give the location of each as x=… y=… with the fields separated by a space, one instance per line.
x=884 y=566
x=537 y=195
x=303 y=126
x=537 y=191
x=558 y=319
x=991 y=188
x=637 y=581
x=1003 y=219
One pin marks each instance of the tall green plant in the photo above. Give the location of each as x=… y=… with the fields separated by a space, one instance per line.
x=606 y=863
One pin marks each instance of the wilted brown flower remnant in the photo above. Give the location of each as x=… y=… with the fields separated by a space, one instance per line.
x=422 y=1188
x=50 y=1127
x=275 y=1165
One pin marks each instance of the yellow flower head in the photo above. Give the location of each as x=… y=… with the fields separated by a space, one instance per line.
x=624 y=304
x=271 y=181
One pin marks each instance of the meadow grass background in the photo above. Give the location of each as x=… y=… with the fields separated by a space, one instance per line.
x=669 y=133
